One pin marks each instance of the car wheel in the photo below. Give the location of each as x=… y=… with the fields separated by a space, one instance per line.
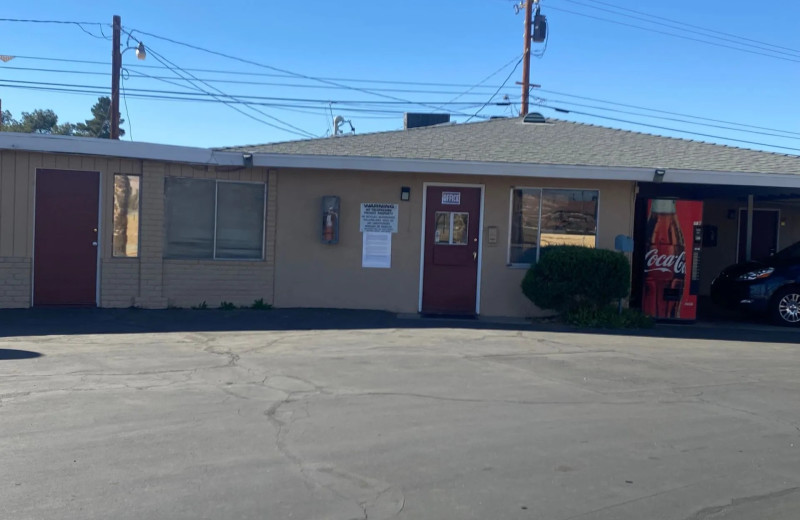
x=786 y=306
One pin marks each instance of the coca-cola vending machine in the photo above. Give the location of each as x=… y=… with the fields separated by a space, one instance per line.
x=672 y=258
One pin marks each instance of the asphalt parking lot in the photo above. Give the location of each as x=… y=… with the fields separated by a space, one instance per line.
x=326 y=415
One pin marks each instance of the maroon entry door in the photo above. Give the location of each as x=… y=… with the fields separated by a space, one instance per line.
x=450 y=267
x=65 y=243
x=765 y=234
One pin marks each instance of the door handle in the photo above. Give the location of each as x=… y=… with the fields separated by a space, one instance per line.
x=94 y=244
x=474 y=255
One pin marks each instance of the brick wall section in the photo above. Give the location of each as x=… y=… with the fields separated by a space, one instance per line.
x=271 y=229
x=119 y=285
x=151 y=243
x=190 y=282
x=15 y=282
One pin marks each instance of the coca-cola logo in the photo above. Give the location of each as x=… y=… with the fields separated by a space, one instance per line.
x=665 y=263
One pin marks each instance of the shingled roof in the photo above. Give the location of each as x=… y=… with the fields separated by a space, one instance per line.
x=555 y=142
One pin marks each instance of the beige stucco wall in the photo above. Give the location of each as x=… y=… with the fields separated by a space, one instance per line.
x=149 y=280
x=312 y=274
x=715 y=212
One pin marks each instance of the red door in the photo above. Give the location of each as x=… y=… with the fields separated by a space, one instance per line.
x=65 y=245
x=450 y=268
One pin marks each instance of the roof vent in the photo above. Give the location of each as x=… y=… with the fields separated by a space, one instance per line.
x=534 y=117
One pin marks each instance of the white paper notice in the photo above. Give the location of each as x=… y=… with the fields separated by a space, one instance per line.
x=377 y=250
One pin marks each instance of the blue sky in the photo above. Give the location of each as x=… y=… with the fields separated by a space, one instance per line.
x=447 y=42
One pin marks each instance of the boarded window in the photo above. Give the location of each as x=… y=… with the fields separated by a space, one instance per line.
x=125 y=241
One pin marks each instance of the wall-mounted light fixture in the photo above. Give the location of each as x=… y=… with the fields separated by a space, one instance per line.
x=405 y=193
x=658 y=175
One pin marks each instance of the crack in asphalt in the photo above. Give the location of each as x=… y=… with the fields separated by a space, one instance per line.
x=718 y=511
x=484 y=401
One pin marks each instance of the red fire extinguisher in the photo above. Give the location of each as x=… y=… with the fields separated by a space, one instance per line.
x=328 y=228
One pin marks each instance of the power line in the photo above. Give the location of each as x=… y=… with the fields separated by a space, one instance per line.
x=277 y=69
x=743 y=125
x=716 y=44
x=65 y=22
x=241 y=97
x=288 y=127
x=565 y=111
x=308 y=103
x=543 y=102
x=84 y=92
x=125 y=99
x=497 y=91
x=87 y=92
x=141 y=74
x=682 y=24
x=484 y=80
x=80 y=25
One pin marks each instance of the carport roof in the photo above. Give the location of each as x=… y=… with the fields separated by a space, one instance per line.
x=556 y=142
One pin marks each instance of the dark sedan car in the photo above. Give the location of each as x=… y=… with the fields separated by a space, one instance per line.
x=770 y=286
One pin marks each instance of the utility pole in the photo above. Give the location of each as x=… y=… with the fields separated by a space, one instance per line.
x=116 y=66
x=526 y=58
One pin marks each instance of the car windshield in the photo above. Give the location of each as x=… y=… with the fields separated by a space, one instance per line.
x=790 y=253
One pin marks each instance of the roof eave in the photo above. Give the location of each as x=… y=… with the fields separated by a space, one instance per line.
x=492 y=169
x=113 y=148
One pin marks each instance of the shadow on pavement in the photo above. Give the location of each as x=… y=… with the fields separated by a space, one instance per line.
x=44 y=322
x=8 y=354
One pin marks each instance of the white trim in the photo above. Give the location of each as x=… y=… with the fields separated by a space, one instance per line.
x=517 y=265
x=115 y=148
x=774 y=180
x=739 y=230
x=486 y=169
x=425 y=185
x=516 y=169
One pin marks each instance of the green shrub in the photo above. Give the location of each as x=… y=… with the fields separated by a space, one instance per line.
x=203 y=306
x=259 y=305
x=570 y=277
x=227 y=306
x=608 y=317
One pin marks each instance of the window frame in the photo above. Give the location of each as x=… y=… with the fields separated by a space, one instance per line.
x=139 y=231
x=450 y=229
x=519 y=265
x=214 y=256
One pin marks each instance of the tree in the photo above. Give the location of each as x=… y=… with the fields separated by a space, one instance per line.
x=5 y=120
x=37 y=122
x=99 y=125
x=45 y=121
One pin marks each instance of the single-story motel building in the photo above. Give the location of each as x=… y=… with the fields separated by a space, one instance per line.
x=437 y=219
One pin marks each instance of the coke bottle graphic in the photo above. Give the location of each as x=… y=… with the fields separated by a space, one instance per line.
x=665 y=261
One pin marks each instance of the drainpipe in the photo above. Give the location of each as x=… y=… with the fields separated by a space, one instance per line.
x=748 y=252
